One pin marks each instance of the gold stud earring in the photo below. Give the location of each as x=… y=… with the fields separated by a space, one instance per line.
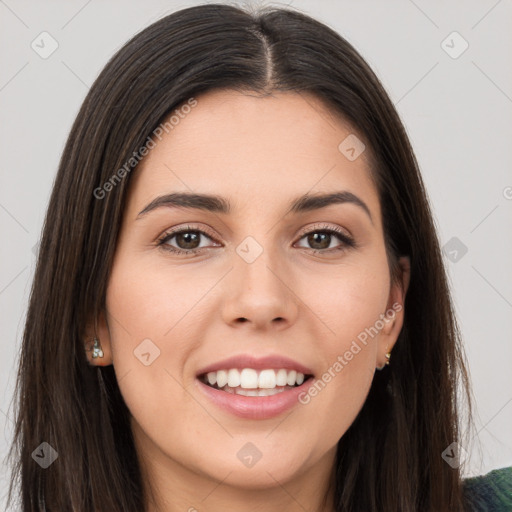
x=388 y=356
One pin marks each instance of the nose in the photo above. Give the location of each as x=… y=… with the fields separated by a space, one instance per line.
x=260 y=293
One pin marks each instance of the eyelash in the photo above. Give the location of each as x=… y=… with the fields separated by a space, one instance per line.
x=347 y=242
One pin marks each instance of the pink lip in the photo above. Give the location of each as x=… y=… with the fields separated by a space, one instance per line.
x=255 y=407
x=247 y=361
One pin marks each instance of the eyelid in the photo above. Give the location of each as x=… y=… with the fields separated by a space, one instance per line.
x=174 y=231
x=304 y=231
x=324 y=227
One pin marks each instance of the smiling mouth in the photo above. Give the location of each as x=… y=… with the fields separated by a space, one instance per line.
x=250 y=382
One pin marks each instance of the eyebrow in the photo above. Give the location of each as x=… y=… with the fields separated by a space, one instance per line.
x=218 y=204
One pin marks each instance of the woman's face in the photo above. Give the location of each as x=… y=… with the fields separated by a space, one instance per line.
x=263 y=282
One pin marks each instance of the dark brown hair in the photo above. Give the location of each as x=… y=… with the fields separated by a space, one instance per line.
x=390 y=457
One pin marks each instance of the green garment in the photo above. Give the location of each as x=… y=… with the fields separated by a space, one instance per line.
x=491 y=492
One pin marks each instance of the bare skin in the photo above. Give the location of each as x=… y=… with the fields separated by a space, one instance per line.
x=260 y=154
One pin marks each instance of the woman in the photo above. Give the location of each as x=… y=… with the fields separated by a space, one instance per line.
x=240 y=301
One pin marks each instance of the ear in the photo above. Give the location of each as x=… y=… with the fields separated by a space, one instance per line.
x=100 y=330
x=394 y=315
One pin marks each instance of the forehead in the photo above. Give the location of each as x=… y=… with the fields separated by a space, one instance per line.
x=253 y=148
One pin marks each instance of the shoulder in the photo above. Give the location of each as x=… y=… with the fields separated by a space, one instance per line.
x=491 y=492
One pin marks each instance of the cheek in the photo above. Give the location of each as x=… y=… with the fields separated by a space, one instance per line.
x=340 y=393
x=150 y=301
x=349 y=299
x=340 y=390
x=148 y=342
x=350 y=304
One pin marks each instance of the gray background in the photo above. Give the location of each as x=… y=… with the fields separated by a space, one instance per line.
x=457 y=111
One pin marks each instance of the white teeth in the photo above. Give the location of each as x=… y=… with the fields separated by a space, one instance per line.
x=267 y=379
x=255 y=392
x=281 y=378
x=269 y=392
x=292 y=376
x=250 y=379
x=244 y=392
x=233 y=378
x=222 y=378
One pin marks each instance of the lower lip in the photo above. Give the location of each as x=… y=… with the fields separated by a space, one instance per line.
x=255 y=407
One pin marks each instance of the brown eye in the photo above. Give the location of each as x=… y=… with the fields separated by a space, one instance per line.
x=184 y=241
x=320 y=240
x=187 y=239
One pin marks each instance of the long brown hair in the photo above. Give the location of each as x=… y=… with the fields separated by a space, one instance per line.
x=390 y=458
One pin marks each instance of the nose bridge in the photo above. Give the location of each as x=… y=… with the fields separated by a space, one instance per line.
x=257 y=267
x=260 y=284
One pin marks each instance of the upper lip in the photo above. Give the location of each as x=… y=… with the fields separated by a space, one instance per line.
x=261 y=363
